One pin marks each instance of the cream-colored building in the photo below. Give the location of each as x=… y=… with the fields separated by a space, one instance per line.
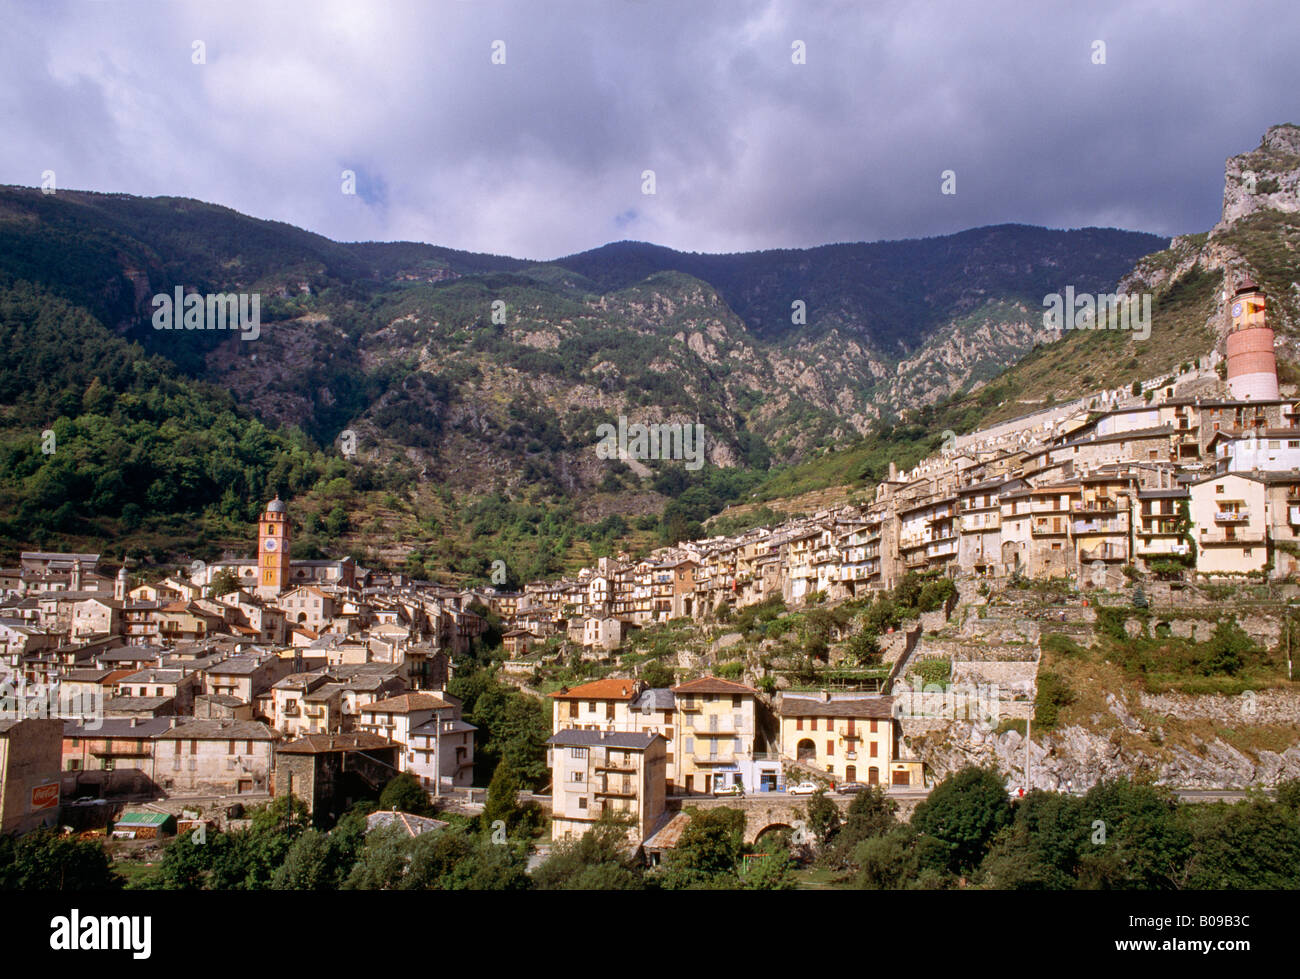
x=599 y=705
x=850 y=737
x=219 y=757
x=1230 y=523
x=594 y=772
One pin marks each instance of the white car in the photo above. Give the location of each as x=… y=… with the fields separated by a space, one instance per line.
x=803 y=788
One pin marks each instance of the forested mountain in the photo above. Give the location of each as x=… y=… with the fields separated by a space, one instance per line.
x=467 y=377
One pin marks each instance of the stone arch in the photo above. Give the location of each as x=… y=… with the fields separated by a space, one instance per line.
x=775 y=827
x=806 y=750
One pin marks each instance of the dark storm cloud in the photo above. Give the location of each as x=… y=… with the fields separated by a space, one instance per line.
x=544 y=155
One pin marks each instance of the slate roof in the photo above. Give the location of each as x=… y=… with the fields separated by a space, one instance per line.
x=628 y=740
x=874 y=707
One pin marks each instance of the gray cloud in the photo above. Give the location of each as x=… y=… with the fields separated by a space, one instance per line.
x=543 y=156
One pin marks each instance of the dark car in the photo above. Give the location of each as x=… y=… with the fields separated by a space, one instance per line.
x=850 y=788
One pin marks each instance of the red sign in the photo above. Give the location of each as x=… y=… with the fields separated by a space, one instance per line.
x=45 y=797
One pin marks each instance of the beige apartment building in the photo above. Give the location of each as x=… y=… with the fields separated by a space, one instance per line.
x=1230 y=523
x=716 y=732
x=595 y=772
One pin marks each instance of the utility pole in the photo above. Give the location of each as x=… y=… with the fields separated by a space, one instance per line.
x=1028 y=722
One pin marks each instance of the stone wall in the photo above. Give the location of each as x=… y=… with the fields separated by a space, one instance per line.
x=1253 y=707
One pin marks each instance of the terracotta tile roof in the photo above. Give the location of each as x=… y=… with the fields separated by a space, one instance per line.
x=713 y=684
x=408 y=702
x=611 y=688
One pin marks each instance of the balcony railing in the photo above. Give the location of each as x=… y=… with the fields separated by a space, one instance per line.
x=1232 y=516
x=1257 y=538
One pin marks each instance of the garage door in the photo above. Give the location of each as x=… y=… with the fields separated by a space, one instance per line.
x=901 y=778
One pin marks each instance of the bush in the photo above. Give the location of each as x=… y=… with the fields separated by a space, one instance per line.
x=1053 y=694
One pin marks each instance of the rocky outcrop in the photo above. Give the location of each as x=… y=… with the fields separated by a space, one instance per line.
x=1266 y=178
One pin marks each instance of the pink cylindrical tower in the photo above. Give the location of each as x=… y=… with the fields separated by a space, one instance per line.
x=1252 y=367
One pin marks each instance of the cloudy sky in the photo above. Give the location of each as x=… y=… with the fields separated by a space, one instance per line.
x=543 y=155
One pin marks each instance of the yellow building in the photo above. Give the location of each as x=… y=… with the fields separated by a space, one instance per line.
x=850 y=737
x=715 y=733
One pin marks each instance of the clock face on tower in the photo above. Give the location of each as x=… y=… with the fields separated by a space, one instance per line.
x=1236 y=309
x=270 y=543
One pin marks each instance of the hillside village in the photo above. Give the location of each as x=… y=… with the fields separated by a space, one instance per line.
x=322 y=679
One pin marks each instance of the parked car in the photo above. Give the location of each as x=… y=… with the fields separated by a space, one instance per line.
x=803 y=788
x=728 y=790
x=851 y=788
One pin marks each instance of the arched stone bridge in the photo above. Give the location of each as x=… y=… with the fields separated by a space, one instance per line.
x=770 y=811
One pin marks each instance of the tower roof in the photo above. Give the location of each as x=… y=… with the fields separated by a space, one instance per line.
x=276 y=506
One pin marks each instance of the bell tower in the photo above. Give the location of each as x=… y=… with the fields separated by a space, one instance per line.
x=273 y=550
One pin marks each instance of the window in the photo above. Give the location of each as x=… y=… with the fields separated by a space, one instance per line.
x=230 y=747
x=875 y=746
x=830 y=748
x=578 y=775
x=577 y=752
x=798 y=723
x=735 y=700
x=873 y=726
x=248 y=747
x=582 y=802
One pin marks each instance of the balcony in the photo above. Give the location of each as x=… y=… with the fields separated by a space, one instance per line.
x=1097 y=507
x=728 y=759
x=1101 y=526
x=1232 y=516
x=1048 y=530
x=616 y=766
x=1230 y=538
x=1163 y=545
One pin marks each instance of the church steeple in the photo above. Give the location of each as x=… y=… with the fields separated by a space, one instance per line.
x=273 y=550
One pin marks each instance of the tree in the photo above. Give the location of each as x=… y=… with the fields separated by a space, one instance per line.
x=707 y=852
x=823 y=818
x=600 y=859
x=1246 y=846
x=964 y=811
x=502 y=798
x=307 y=865
x=864 y=648
x=44 y=860
x=1138 y=844
x=405 y=794
x=872 y=813
x=224 y=582
x=657 y=675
